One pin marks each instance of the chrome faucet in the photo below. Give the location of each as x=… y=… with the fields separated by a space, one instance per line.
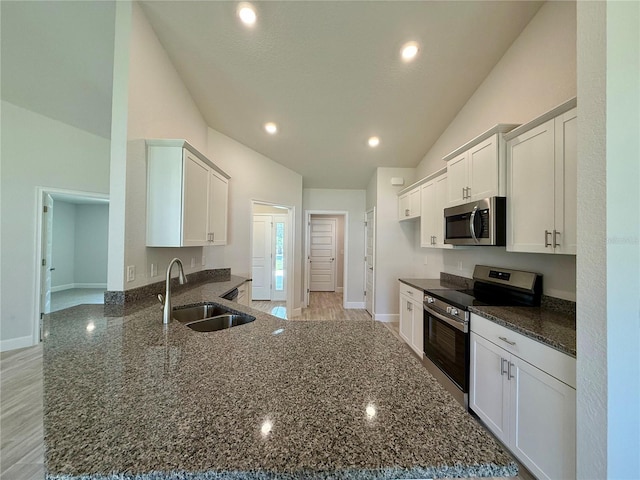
x=166 y=310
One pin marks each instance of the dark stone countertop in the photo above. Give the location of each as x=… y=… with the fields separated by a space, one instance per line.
x=126 y=397
x=552 y=328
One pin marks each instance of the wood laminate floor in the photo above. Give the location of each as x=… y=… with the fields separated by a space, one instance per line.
x=21 y=431
x=322 y=306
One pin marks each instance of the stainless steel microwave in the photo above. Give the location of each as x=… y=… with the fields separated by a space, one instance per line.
x=477 y=223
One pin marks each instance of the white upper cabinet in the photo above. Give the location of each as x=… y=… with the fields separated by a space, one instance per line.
x=477 y=169
x=542 y=175
x=409 y=205
x=186 y=197
x=434 y=200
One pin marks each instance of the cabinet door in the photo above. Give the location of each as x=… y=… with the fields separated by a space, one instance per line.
x=566 y=193
x=483 y=169
x=414 y=202
x=441 y=184
x=195 y=209
x=488 y=385
x=406 y=327
x=457 y=171
x=417 y=320
x=530 y=192
x=218 y=208
x=404 y=207
x=428 y=213
x=543 y=432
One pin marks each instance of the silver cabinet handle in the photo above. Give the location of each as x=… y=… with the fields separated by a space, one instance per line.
x=409 y=292
x=504 y=339
x=509 y=375
x=409 y=307
x=406 y=212
x=555 y=238
x=464 y=192
x=503 y=370
x=546 y=239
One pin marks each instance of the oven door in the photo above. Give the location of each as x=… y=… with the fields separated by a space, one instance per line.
x=446 y=344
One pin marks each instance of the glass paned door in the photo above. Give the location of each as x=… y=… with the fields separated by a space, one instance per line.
x=279 y=238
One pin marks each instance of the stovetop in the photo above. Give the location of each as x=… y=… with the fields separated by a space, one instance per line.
x=467 y=298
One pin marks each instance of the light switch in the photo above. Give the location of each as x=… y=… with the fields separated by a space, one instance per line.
x=131 y=273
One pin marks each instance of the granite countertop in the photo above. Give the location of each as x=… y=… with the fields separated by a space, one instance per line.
x=126 y=397
x=553 y=328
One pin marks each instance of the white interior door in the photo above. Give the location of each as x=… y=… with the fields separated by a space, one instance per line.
x=369 y=257
x=261 y=265
x=322 y=255
x=279 y=249
x=47 y=248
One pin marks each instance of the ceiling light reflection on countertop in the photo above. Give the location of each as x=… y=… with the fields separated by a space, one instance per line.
x=271 y=128
x=374 y=141
x=278 y=331
x=266 y=428
x=371 y=411
x=247 y=14
x=91 y=327
x=410 y=51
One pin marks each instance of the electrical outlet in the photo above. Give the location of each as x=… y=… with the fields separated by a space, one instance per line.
x=154 y=270
x=193 y=262
x=460 y=265
x=131 y=273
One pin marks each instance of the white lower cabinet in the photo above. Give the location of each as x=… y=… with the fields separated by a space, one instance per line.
x=532 y=412
x=244 y=294
x=411 y=317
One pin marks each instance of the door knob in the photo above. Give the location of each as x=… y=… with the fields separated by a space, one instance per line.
x=52 y=269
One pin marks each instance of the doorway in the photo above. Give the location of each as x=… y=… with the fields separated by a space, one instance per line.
x=369 y=260
x=271 y=268
x=326 y=242
x=71 y=250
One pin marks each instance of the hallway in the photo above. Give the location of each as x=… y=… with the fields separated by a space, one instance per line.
x=322 y=306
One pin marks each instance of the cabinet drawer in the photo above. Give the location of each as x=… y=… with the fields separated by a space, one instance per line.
x=547 y=359
x=411 y=293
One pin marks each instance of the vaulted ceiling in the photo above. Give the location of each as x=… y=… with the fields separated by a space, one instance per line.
x=328 y=73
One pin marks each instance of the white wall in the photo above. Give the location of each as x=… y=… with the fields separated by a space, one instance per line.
x=91 y=239
x=159 y=106
x=253 y=177
x=394 y=243
x=37 y=151
x=537 y=73
x=64 y=244
x=80 y=233
x=353 y=202
x=608 y=271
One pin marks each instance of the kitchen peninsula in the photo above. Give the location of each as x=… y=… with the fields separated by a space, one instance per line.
x=126 y=397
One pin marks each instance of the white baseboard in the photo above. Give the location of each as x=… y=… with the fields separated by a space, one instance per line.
x=15 y=343
x=387 y=317
x=90 y=285
x=339 y=289
x=60 y=288
x=70 y=286
x=359 y=305
x=296 y=312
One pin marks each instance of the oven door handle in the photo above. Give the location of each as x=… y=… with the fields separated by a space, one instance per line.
x=462 y=326
x=472 y=227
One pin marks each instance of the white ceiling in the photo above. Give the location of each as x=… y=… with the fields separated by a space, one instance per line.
x=329 y=74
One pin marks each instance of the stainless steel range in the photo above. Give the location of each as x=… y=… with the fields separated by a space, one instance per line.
x=446 y=320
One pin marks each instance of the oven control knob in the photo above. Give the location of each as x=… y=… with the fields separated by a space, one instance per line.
x=454 y=311
x=430 y=300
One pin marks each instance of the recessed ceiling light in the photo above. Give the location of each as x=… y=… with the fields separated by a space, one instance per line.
x=374 y=141
x=271 y=128
x=247 y=13
x=409 y=51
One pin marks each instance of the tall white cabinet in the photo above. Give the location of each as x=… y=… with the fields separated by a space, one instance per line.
x=525 y=394
x=186 y=197
x=542 y=183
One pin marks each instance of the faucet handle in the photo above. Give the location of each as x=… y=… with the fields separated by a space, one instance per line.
x=161 y=299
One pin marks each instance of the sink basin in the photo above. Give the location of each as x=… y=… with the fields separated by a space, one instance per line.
x=209 y=317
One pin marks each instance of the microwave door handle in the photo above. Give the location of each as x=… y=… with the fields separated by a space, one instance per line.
x=472 y=227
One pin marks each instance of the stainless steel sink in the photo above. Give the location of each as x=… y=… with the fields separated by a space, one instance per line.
x=209 y=317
